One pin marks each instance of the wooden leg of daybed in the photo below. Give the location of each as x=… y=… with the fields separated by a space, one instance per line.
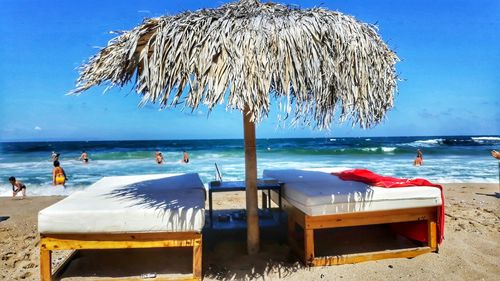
x=291 y=228
x=292 y=237
x=432 y=234
x=197 y=258
x=308 y=246
x=45 y=265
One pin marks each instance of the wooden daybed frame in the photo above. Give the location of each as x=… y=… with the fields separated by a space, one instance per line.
x=311 y=223
x=80 y=241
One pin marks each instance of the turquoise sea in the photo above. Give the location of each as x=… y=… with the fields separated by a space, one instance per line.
x=446 y=158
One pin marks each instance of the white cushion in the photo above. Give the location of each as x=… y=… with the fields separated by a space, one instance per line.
x=318 y=192
x=146 y=203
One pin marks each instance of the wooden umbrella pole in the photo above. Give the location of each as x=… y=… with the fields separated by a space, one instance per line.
x=251 y=184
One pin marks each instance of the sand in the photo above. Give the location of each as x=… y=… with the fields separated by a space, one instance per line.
x=470 y=250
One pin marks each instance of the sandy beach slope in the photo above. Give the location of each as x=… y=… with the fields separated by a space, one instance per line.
x=470 y=250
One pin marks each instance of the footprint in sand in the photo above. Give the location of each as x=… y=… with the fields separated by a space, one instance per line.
x=24 y=275
x=7 y=256
x=29 y=265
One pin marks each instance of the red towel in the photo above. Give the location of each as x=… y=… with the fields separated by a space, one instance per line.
x=414 y=230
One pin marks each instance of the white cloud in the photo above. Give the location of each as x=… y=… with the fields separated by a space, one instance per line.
x=37 y=128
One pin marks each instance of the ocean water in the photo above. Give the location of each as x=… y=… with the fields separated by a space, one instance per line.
x=446 y=159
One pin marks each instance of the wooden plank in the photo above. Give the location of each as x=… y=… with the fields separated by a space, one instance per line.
x=291 y=227
x=299 y=217
x=432 y=234
x=308 y=246
x=69 y=244
x=155 y=279
x=45 y=264
x=356 y=258
x=369 y=218
x=197 y=259
x=117 y=241
x=125 y=236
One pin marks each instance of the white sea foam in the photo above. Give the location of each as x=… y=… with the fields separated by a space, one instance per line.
x=375 y=149
x=41 y=190
x=486 y=138
x=482 y=140
x=425 y=143
x=467 y=180
x=431 y=141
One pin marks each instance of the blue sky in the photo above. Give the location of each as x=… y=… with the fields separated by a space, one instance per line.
x=450 y=69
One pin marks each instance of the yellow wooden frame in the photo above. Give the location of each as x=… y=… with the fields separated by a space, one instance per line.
x=80 y=241
x=311 y=223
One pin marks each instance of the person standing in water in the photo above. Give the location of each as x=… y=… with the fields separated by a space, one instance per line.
x=84 y=157
x=419 y=161
x=58 y=174
x=17 y=186
x=185 y=157
x=159 y=157
x=54 y=156
x=495 y=154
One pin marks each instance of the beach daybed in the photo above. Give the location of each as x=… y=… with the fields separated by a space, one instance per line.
x=316 y=199
x=149 y=211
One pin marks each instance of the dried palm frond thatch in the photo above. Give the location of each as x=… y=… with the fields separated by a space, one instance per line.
x=317 y=60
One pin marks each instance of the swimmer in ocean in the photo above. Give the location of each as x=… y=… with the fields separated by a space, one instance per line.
x=185 y=157
x=159 y=157
x=419 y=161
x=84 y=157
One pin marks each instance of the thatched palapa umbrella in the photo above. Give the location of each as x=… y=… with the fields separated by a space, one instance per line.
x=322 y=65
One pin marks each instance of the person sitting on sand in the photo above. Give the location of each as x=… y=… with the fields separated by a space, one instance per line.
x=185 y=157
x=159 y=157
x=419 y=161
x=58 y=174
x=495 y=154
x=84 y=157
x=17 y=186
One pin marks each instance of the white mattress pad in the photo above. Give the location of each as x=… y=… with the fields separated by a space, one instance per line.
x=125 y=204
x=318 y=192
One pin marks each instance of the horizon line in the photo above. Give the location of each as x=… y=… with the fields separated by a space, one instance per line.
x=211 y=139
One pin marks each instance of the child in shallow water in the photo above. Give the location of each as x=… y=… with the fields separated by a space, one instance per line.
x=17 y=186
